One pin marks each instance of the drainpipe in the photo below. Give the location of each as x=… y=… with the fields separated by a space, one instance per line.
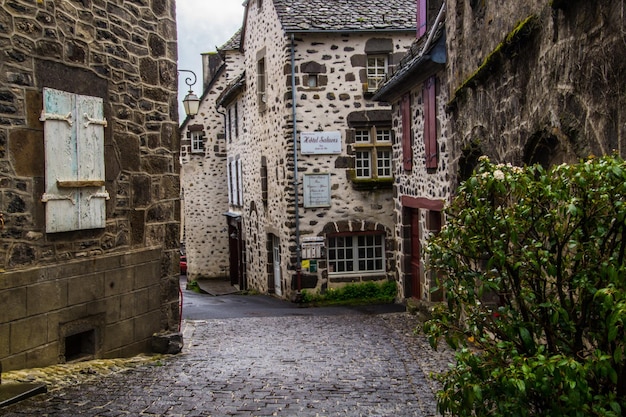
x=295 y=165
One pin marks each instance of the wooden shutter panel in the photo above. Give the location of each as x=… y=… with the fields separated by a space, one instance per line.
x=74 y=154
x=407 y=149
x=90 y=138
x=430 y=123
x=421 y=17
x=239 y=182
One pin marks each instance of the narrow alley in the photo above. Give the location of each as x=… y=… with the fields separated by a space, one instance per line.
x=275 y=359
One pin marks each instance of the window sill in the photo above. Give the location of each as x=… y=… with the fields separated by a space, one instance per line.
x=369 y=184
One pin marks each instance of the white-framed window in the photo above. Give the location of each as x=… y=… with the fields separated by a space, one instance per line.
x=234 y=175
x=373 y=156
x=356 y=253
x=383 y=163
x=363 y=164
x=376 y=71
x=197 y=142
x=261 y=84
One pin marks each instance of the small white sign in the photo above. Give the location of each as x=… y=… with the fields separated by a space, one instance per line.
x=319 y=143
x=316 y=190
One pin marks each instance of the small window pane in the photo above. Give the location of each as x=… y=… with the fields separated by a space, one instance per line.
x=197 y=144
x=383 y=163
x=362 y=136
x=363 y=164
x=383 y=135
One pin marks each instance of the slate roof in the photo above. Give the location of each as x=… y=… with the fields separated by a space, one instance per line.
x=233 y=43
x=346 y=15
x=420 y=61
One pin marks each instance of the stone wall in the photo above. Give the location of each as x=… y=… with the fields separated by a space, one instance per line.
x=269 y=135
x=116 y=298
x=124 y=54
x=203 y=175
x=536 y=81
x=432 y=186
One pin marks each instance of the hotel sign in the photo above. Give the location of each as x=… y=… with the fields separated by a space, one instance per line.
x=320 y=143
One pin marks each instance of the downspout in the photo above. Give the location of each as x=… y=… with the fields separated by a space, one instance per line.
x=295 y=166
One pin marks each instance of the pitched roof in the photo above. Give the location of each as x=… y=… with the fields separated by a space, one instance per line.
x=346 y=15
x=426 y=56
x=233 y=43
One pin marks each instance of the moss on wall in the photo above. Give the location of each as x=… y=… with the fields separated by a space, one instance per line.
x=505 y=49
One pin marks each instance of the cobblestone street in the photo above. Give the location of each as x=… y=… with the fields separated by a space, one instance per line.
x=348 y=364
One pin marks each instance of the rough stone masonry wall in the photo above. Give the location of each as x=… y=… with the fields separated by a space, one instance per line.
x=420 y=183
x=556 y=85
x=203 y=179
x=265 y=134
x=125 y=53
x=270 y=134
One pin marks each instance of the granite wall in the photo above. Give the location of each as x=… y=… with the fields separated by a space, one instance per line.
x=125 y=54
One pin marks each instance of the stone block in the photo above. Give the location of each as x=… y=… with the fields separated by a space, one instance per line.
x=14 y=362
x=167 y=343
x=117 y=335
x=28 y=333
x=118 y=281
x=26 y=152
x=141 y=301
x=4 y=339
x=13 y=302
x=46 y=296
x=43 y=356
x=127 y=306
x=147 y=324
x=147 y=275
x=85 y=288
x=112 y=309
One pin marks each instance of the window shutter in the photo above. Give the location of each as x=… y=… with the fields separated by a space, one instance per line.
x=239 y=182
x=421 y=17
x=229 y=176
x=430 y=123
x=74 y=156
x=407 y=149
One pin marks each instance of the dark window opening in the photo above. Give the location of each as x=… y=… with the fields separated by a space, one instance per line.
x=80 y=346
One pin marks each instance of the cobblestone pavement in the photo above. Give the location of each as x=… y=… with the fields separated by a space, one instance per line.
x=339 y=365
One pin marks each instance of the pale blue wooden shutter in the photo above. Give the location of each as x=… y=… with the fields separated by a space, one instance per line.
x=74 y=153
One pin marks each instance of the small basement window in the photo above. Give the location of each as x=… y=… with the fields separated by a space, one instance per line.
x=80 y=346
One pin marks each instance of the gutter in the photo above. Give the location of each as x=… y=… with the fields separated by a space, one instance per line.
x=295 y=165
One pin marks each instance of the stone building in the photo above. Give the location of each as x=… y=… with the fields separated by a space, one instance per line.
x=203 y=168
x=89 y=183
x=535 y=81
x=417 y=91
x=521 y=82
x=308 y=156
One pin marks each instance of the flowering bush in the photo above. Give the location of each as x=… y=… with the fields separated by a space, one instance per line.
x=532 y=263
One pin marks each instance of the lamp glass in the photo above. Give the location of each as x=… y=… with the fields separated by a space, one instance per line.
x=191 y=102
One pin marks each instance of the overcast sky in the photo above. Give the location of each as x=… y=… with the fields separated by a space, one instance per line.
x=203 y=25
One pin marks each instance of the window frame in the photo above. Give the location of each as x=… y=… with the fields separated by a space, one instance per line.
x=372 y=140
x=197 y=141
x=354 y=252
x=261 y=86
x=374 y=80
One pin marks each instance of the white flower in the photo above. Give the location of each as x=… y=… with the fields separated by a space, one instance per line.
x=499 y=175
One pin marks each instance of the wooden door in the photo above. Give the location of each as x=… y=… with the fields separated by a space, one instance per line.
x=415 y=254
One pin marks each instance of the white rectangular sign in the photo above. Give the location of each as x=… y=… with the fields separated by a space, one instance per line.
x=316 y=190
x=319 y=143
